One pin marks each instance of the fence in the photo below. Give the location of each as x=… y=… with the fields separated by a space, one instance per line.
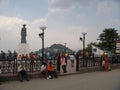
x=10 y=66
x=97 y=61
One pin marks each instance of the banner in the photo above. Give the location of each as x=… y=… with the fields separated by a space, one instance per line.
x=97 y=51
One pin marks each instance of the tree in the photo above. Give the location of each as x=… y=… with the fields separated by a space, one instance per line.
x=108 y=39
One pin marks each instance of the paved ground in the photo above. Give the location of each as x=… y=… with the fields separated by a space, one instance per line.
x=87 y=81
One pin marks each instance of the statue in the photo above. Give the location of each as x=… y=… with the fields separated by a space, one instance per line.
x=23 y=34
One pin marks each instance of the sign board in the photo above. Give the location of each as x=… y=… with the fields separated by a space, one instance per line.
x=118 y=46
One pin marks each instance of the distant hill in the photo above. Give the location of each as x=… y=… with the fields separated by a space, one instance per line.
x=56 y=48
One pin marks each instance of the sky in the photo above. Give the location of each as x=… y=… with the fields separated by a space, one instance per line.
x=65 y=20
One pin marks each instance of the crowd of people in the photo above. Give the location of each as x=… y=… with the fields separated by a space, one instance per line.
x=14 y=55
x=50 y=69
x=8 y=56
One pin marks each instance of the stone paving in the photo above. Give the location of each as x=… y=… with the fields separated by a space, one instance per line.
x=87 y=81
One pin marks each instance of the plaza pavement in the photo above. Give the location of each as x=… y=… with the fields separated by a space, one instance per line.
x=87 y=81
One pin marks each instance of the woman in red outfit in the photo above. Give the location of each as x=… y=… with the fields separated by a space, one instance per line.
x=106 y=62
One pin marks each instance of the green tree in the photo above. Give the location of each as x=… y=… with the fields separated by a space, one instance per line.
x=108 y=39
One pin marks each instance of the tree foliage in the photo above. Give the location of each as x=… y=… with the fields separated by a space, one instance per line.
x=108 y=39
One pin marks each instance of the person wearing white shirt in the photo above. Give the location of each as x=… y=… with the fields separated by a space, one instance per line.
x=43 y=70
x=22 y=72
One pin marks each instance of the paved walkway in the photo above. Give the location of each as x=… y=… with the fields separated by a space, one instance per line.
x=87 y=81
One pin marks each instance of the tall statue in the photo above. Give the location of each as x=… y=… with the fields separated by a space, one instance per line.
x=23 y=34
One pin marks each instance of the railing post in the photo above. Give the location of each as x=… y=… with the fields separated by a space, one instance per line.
x=101 y=61
x=77 y=62
x=93 y=60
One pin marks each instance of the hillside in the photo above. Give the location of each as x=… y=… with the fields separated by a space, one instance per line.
x=56 y=48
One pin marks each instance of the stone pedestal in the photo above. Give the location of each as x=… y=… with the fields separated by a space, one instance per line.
x=23 y=48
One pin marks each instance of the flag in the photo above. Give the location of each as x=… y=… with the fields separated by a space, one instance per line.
x=97 y=51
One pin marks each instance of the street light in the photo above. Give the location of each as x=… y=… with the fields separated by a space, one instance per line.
x=41 y=35
x=83 y=40
x=65 y=47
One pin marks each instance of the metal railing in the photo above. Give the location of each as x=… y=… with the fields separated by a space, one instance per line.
x=97 y=61
x=10 y=66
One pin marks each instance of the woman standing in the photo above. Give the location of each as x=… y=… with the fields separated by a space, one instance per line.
x=63 y=63
x=106 y=62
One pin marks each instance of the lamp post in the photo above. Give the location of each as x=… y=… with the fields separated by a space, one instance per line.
x=42 y=37
x=65 y=47
x=83 y=40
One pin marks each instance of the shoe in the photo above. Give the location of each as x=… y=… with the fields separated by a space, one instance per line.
x=28 y=80
x=51 y=78
x=21 y=80
x=47 y=77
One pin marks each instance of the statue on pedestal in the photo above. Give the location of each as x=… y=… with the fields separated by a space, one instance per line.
x=23 y=34
x=23 y=45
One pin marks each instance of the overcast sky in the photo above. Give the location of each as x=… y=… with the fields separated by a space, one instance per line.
x=65 y=21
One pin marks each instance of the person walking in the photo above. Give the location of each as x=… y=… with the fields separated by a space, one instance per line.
x=72 y=59
x=63 y=63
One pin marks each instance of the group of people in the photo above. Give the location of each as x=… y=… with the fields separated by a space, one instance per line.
x=29 y=56
x=22 y=72
x=49 y=70
x=14 y=55
x=62 y=62
x=8 y=56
